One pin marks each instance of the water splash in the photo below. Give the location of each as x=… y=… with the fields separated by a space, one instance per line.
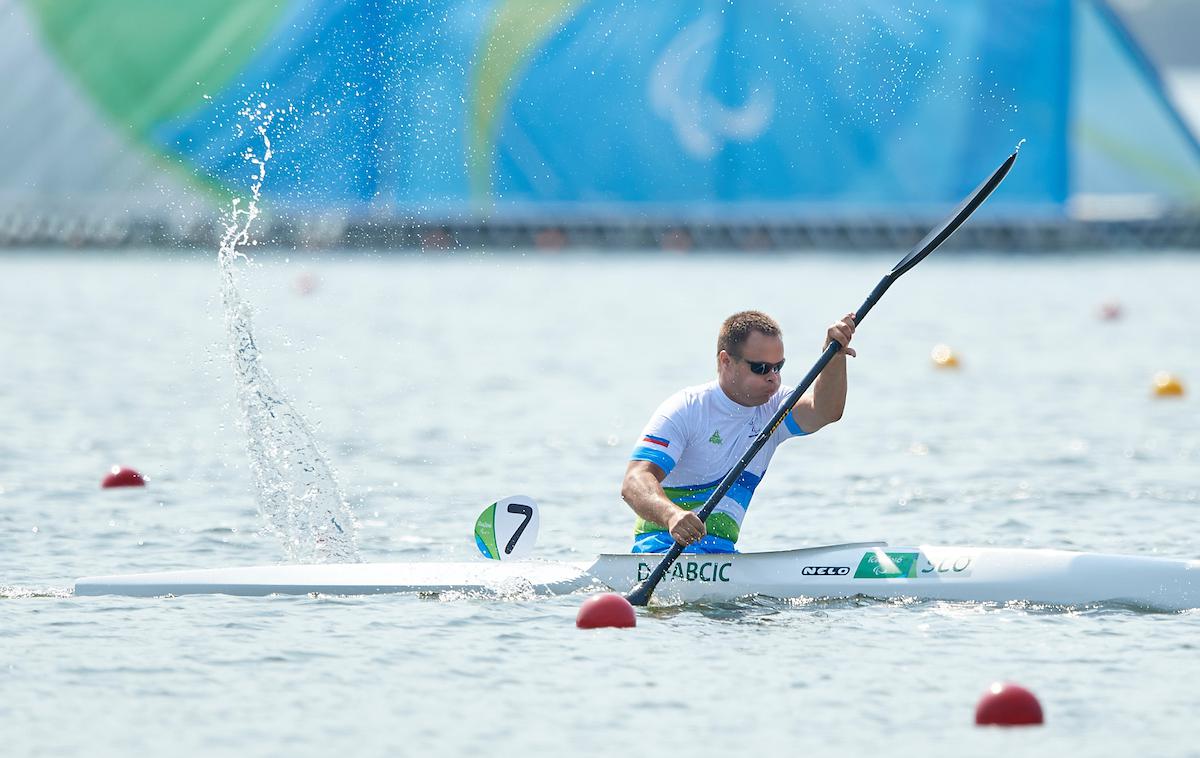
x=13 y=592
x=297 y=493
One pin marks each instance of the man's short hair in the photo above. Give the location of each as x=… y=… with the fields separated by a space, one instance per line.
x=736 y=330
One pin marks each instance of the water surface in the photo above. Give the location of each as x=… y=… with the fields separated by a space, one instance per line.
x=436 y=385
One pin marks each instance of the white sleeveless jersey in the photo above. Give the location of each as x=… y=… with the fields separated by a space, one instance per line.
x=697 y=436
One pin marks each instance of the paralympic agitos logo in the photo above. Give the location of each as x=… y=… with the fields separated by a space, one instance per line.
x=825 y=571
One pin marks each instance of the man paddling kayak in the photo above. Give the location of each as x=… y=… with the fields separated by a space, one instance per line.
x=698 y=434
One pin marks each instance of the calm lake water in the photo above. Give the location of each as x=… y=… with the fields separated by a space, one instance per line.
x=436 y=385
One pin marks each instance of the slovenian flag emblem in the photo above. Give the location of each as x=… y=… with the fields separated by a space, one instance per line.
x=656 y=440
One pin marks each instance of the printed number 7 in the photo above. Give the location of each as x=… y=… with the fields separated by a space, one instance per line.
x=525 y=511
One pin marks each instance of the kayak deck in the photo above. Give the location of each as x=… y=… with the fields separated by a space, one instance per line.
x=871 y=569
x=1052 y=577
x=491 y=577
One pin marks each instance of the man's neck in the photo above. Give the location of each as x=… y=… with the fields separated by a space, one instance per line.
x=729 y=394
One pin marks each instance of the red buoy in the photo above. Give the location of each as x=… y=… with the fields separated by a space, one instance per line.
x=605 y=610
x=119 y=476
x=1008 y=704
x=306 y=283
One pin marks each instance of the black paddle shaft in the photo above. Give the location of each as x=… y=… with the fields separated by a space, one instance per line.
x=640 y=595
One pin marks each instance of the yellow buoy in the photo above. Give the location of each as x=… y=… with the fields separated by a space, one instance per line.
x=944 y=357
x=1166 y=385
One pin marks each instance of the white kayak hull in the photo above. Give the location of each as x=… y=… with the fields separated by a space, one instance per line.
x=870 y=569
x=1055 y=577
x=483 y=576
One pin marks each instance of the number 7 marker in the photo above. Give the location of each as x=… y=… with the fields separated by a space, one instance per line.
x=507 y=530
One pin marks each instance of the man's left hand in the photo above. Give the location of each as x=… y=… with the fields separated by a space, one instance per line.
x=842 y=331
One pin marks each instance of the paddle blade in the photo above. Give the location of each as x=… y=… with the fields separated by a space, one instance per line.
x=639 y=596
x=507 y=529
x=942 y=232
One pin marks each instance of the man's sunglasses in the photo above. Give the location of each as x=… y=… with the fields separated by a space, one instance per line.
x=762 y=367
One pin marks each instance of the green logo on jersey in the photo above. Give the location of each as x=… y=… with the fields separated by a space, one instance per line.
x=716 y=438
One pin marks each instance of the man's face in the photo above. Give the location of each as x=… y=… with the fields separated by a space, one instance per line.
x=741 y=384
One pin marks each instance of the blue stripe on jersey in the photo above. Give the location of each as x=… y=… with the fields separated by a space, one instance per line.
x=661 y=542
x=792 y=426
x=657 y=457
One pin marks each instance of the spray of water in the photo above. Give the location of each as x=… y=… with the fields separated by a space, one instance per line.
x=298 y=495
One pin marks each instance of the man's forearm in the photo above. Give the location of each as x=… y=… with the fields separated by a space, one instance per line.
x=829 y=390
x=645 y=496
